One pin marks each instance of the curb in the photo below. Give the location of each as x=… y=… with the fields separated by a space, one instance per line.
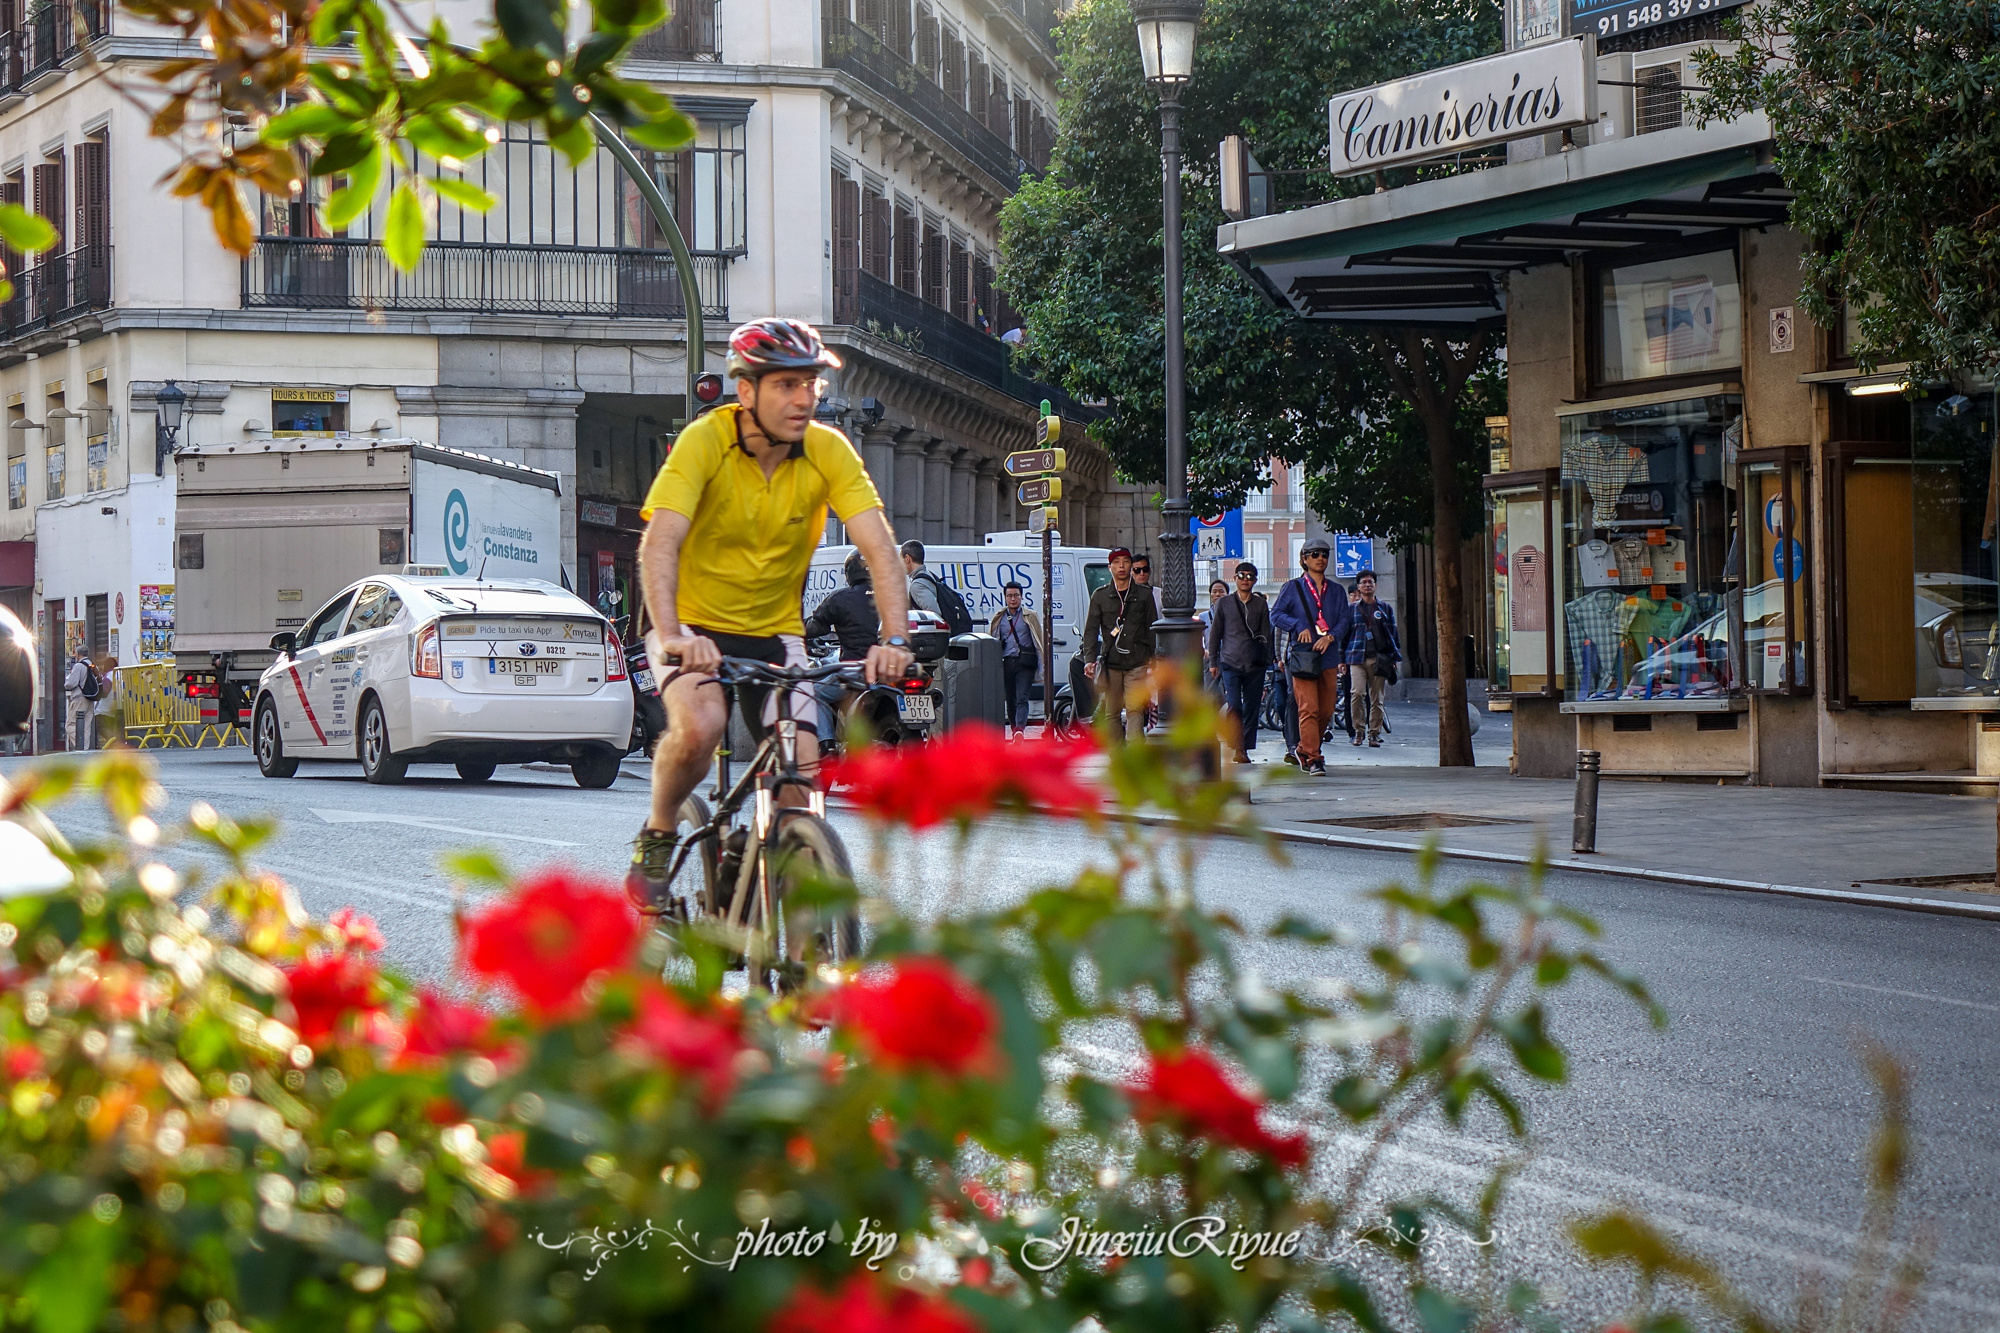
x=1936 y=906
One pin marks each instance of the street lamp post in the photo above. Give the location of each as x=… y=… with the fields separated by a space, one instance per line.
x=1166 y=47
x=168 y=404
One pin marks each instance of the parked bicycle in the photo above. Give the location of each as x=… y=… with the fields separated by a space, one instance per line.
x=744 y=872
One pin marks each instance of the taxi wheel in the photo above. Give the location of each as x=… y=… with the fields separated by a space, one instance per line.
x=475 y=770
x=597 y=769
x=379 y=762
x=271 y=759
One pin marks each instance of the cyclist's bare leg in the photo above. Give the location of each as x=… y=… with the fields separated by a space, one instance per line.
x=697 y=713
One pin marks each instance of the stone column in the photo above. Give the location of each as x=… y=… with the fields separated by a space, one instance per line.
x=908 y=513
x=986 y=510
x=937 y=490
x=878 y=454
x=964 y=471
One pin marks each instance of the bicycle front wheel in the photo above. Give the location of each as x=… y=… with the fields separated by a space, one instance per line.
x=694 y=887
x=807 y=852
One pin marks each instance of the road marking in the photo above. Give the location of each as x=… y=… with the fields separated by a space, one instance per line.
x=359 y=817
x=1907 y=994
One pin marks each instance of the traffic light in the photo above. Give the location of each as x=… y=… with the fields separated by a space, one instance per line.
x=707 y=390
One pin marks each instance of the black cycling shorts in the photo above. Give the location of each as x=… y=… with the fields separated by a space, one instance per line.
x=759 y=703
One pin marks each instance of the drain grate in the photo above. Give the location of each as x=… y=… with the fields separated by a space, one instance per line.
x=1412 y=823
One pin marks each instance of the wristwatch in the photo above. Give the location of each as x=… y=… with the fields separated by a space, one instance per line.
x=896 y=641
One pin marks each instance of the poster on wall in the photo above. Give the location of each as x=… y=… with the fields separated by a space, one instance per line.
x=1683 y=319
x=156 y=622
x=1531 y=21
x=1530 y=573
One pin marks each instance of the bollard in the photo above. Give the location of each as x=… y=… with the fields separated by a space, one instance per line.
x=1583 y=838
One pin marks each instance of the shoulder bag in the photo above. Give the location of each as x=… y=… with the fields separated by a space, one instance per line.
x=1302 y=659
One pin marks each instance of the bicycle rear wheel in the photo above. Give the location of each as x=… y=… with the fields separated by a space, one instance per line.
x=808 y=852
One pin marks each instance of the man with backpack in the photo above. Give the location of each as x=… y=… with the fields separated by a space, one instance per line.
x=932 y=593
x=84 y=687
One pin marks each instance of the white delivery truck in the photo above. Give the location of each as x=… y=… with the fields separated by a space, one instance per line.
x=265 y=531
x=981 y=574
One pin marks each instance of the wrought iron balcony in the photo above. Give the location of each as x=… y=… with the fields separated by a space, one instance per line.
x=857 y=51
x=59 y=288
x=296 y=273
x=692 y=32
x=48 y=37
x=914 y=324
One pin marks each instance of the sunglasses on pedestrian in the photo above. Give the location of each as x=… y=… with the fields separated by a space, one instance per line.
x=1245 y=575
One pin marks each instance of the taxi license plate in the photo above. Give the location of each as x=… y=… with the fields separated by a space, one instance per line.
x=916 y=708
x=521 y=667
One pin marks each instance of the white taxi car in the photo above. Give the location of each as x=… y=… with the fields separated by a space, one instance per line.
x=401 y=669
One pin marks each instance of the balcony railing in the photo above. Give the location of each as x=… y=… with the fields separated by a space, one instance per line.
x=914 y=324
x=48 y=37
x=693 y=31
x=859 y=52
x=59 y=288
x=295 y=273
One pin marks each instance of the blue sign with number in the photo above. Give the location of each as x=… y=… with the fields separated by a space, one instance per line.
x=1218 y=538
x=1351 y=555
x=1608 y=18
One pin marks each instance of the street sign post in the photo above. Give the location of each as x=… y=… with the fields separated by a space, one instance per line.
x=1351 y=555
x=1034 y=462
x=1041 y=491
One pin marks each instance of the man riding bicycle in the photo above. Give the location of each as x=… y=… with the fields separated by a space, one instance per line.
x=731 y=524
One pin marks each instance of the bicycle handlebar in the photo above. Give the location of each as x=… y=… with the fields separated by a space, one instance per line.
x=737 y=670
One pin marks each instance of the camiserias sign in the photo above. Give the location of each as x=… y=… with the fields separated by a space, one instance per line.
x=1477 y=103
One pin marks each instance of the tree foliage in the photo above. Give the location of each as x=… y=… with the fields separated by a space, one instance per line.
x=1888 y=130
x=361 y=92
x=1082 y=256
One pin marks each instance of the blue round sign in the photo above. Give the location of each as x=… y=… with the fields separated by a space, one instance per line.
x=1788 y=549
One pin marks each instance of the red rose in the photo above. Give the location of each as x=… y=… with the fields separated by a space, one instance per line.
x=550 y=936
x=866 y=1303
x=1189 y=1091
x=966 y=774
x=704 y=1045
x=920 y=1011
x=324 y=990
x=440 y=1027
x=508 y=1153
x=23 y=1062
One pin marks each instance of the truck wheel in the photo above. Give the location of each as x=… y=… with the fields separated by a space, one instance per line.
x=475 y=770
x=272 y=761
x=379 y=763
x=596 y=770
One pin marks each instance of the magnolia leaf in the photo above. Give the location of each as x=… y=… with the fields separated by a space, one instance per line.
x=480 y=867
x=311 y=120
x=353 y=199
x=23 y=231
x=224 y=200
x=403 y=234
x=462 y=192
x=530 y=25
x=1532 y=1048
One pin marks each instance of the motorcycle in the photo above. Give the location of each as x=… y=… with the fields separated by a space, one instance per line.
x=904 y=712
x=649 y=714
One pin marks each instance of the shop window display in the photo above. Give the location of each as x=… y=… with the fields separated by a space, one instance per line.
x=1524 y=583
x=1955 y=503
x=1777 y=596
x=1649 y=521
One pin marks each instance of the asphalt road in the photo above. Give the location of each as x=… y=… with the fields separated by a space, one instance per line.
x=1743 y=1127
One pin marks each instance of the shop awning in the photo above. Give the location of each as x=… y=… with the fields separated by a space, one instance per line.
x=1435 y=252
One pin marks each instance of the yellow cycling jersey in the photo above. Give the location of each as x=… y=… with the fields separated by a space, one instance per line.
x=744 y=564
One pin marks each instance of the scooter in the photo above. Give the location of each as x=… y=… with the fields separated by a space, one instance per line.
x=904 y=712
x=649 y=715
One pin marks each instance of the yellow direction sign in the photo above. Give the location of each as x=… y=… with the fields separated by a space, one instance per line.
x=1034 y=462
x=1048 y=430
x=1042 y=490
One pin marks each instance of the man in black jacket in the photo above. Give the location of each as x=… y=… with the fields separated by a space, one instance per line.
x=849 y=615
x=1239 y=642
x=1121 y=617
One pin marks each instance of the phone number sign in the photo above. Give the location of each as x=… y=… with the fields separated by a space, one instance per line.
x=1609 y=18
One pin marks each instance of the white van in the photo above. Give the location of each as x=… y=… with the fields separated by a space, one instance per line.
x=980 y=575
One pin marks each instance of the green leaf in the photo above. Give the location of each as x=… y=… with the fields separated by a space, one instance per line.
x=1131 y=947
x=1298 y=928
x=23 y=231
x=310 y=120
x=1349 y=1294
x=403 y=233
x=669 y=133
x=355 y=198
x=1440 y=1312
x=1628 y=982
x=448 y=134
x=1536 y=1054
x=1357 y=1096
x=531 y=24
x=69 y=1289
x=477 y=866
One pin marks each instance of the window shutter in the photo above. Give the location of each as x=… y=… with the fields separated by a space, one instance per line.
x=873 y=15
x=49 y=197
x=1021 y=126
x=10 y=43
x=681 y=165
x=982 y=295
x=846 y=244
x=909 y=252
x=961 y=282
x=93 y=196
x=899 y=27
x=10 y=193
x=954 y=68
x=927 y=44
x=937 y=268
x=996 y=105
x=976 y=81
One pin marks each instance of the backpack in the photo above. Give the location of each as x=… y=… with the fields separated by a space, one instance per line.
x=92 y=687
x=950 y=605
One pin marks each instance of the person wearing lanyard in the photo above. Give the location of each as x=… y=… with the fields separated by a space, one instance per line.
x=1311 y=620
x=1121 y=618
x=1020 y=636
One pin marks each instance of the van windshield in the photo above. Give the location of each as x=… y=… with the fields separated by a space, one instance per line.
x=1095 y=577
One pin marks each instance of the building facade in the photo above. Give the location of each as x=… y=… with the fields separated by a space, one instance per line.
x=851 y=161
x=1716 y=549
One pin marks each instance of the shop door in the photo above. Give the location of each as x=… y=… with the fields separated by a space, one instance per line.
x=1878 y=581
x=55 y=661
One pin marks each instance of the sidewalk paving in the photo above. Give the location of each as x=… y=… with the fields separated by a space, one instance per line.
x=1854 y=845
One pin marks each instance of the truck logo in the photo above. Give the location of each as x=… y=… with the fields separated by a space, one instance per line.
x=457 y=532
x=527 y=650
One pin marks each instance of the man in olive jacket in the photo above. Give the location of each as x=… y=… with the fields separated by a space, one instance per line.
x=1121 y=615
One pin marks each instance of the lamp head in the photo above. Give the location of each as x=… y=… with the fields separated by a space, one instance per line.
x=1166 y=40
x=171 y=402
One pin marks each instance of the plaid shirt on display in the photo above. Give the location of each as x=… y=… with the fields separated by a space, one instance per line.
x=1607 y=466
x=1595 y=635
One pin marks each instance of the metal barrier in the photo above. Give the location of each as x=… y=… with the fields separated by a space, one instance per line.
x=159 y=716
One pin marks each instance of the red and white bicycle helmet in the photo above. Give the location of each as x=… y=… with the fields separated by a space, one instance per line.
x=764 y=345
